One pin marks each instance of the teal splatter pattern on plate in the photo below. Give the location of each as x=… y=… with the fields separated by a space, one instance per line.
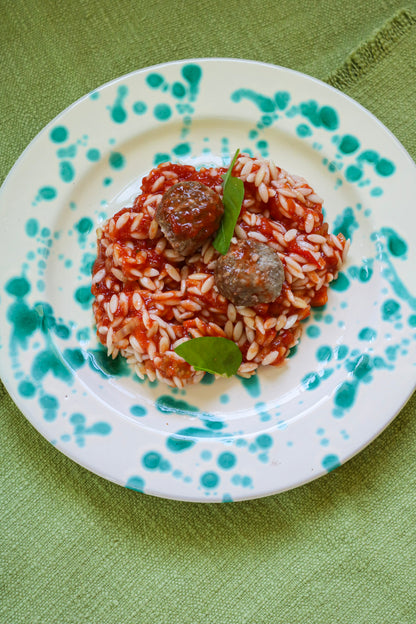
x=226 y=439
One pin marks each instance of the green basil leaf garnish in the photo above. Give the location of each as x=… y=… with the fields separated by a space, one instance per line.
x=233 y=195
x=227 y=174
x=216 y=355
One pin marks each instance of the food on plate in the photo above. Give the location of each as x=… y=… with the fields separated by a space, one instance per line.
x=169 y=269
x=188 y=215
x=249 y=273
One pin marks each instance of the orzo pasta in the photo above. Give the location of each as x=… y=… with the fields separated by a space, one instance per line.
x=149 y=298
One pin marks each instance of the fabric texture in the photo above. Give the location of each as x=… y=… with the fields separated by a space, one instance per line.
x=77 y=549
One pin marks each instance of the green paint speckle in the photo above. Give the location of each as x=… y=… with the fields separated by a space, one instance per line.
x=252 y=385
x=329 y=117
x=154 y=80
x=176 y=444
x=385 y=167
x=75 y=358
x=178 y=90
x=152 y=460
x=311 y=381
x=390 y=310
x=362 y=366
x=116 y=160
x=135 y=483
x=31 y=227
x=324 y=354
x=77 y=419
x=389 y=272
x=47 y=401
x=345 y=395
x=25 y=322
x=83 y=334
x=310 y=110
x=313 y=331
x=59 y=134
x=182 y=149
x=396 y=245
x=106 y=366
x=368 y=334
x=262 y=145
x=84 y=225
x=93 y=155
x=263 y=103
x=80 y=430
x=47 y=192
x=226 y=460
x=62 y=331
x=282 y=99
x=376 y=191
x=264 y=441
x=18 y=287
x=67 y=152
x=48 y=361
x=303 y=131
x=162 y=112
x=369 y=156
x=26 y=389
x=363 y=273
x=209 y=480
x=292 y=351
x=208 y=379
x=349 y=144
x=192 y=74
x=139 y=107
x=341 y=283
x=100 y=428
x=346 y=223
x=117 y=111
x=66 y=171
x=325 y=116
x=87 y=264
x=83 y=296
x=166 y=403
x=160 y=158
x=330 y=462
x=243 y=480
x=341 y=352
x=353 y=173
x=138 y=410
x=187 y=437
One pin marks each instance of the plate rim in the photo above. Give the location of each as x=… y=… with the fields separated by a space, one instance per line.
x=20 y=402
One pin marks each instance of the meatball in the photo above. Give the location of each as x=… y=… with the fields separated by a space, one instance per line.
x=250 y=273
x=188 y=215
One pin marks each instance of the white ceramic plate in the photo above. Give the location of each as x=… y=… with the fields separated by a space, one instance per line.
x=226 y=440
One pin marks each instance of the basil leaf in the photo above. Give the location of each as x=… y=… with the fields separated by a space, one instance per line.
x=216 y=355
x=227 y=174
x=233 y=196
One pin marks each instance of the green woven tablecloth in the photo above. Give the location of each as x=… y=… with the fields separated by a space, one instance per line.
x=77 y=549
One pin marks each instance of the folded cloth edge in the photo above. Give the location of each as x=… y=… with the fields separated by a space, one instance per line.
x=360 y=60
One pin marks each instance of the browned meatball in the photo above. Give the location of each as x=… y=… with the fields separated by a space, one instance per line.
x=188 y=215
x=250 y=273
